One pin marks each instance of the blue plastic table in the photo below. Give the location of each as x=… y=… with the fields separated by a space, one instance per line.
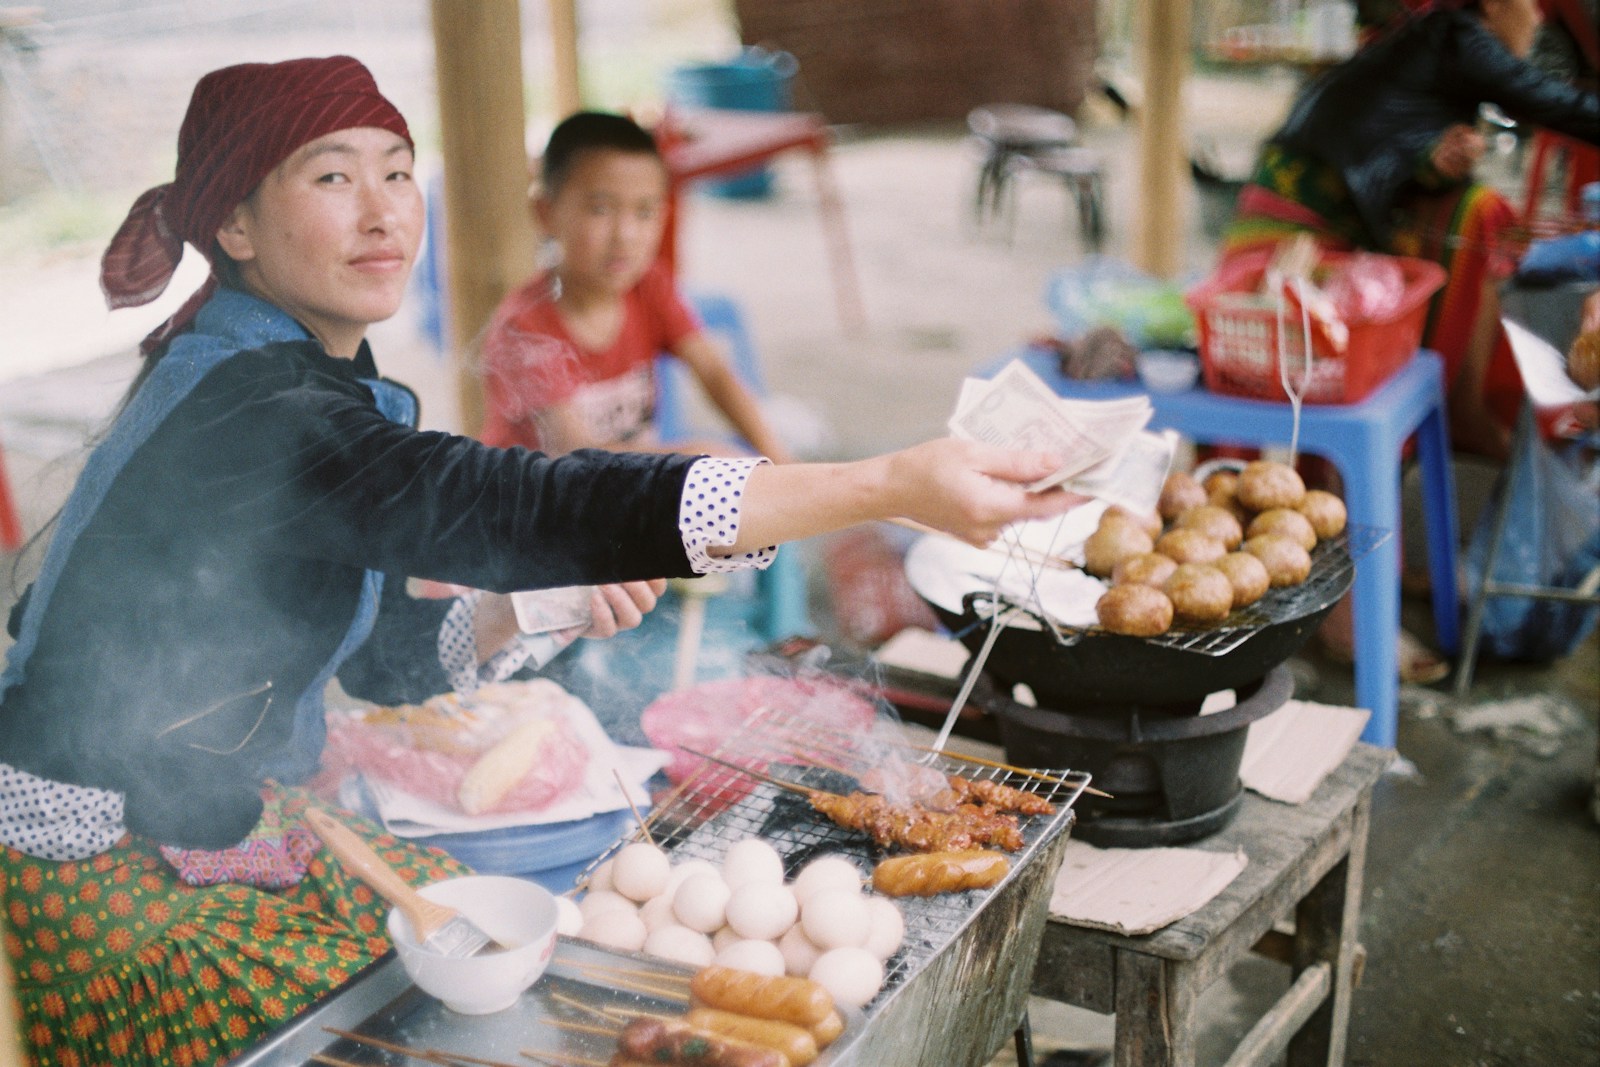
x=1364 y=441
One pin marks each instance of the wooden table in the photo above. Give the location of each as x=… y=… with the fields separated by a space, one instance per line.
x=1305 y=865
x=700 y=143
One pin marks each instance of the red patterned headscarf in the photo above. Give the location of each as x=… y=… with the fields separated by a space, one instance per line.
x=242 y=122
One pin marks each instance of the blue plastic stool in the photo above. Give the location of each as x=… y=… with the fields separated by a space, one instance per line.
x=1364 y=441
x=781 y=588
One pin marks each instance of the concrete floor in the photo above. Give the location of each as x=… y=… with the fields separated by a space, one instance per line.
x=1482 y=912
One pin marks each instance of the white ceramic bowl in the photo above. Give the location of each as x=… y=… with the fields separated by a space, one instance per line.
x=513 y=912
x=1166 y=371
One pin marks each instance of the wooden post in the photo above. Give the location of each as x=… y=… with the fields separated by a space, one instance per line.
x=568 y=94
x=489 y=241
x=1163 y=170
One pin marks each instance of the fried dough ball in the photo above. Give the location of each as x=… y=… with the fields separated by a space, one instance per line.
x=1248 y=576
x=1190 y=546
x=1265 y=484
x=1325 y=512
x=1223 y=483
x=1286 y=562
x=1150 y=569
x=1179 y=493
x=1150 y=524
x=1200 y=593
x=1112 y=543
x=1135 y=610
x=1285 y=522
x=1222 y=491
x=1213 y=521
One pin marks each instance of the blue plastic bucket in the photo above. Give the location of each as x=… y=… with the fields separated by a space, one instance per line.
x=755 y=80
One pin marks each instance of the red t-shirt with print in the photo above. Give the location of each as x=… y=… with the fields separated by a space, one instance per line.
x=531 y=362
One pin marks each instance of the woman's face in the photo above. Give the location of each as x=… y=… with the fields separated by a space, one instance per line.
x=608 y=217
x=330 y=235
x=1515 y=22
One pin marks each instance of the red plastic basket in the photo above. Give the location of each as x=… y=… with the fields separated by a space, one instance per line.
x=1239 y=345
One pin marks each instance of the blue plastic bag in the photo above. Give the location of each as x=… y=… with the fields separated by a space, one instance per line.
x=1574 y=257
x=1552 y=538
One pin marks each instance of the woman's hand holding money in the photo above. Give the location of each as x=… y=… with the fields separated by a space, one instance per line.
x=967 y=489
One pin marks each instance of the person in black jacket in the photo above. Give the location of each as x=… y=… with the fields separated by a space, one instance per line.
x=1378 y=154
x=241 y=536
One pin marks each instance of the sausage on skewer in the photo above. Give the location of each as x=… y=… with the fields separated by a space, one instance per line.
x=939 y=872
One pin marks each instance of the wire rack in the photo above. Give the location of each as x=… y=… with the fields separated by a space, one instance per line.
x=1333 y=563
x=719 y=805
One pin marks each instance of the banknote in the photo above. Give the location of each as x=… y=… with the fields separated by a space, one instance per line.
x=1134 y=476
x=1108 y=454
x=1019 y=411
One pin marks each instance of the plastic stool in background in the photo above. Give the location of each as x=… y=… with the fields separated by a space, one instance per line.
x=781 y=588
x=1020 y=138
x=10 y=525
x=1364 y=441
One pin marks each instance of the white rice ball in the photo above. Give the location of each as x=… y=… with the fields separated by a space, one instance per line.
x=836 y=918
x=852 y=975
x=657 y=912
x=798 y=952
x=616 y=929
x=751 y=860
x=680 y=944
x=598 y=900
x=826 y=872
x=700 y=903
x=600 y=877
x=725 y=937
x=569 y=920
x=761 y=957
x=888 y=927
x=682 y=872
x=640 y=871
x=762 y=911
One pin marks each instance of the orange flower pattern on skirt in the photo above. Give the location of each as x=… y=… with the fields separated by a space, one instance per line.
x=116 y=961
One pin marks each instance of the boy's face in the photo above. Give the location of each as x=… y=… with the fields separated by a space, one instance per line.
x=608 y=218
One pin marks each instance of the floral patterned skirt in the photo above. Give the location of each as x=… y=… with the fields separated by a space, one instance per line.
x=116 y=961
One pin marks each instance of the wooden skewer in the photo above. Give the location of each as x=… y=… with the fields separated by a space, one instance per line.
x=432 y=1054
x=979 y=760
x=585 y=1008
x=634 y=1013
x=759 y=776
x=332 y=1061
x=637 y=972
x=585 y=1028
x=643 y=829
x=560 y=1059
x=659 y=992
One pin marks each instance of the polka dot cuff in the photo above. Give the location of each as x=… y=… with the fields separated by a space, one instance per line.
x=708 y=516
x=54 y=820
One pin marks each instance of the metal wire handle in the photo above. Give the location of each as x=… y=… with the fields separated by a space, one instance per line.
x=1295 y=393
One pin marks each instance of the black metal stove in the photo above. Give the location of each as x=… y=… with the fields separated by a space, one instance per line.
x=1172 y=772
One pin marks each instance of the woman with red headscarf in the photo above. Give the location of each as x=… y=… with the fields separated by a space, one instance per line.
x=241 y=537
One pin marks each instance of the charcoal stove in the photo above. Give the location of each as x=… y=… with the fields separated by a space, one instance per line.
x=1173 y=774
x=1128 y=710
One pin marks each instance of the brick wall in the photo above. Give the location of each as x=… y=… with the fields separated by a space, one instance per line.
x=888 y=61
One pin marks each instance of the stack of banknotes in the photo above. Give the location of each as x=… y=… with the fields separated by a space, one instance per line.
x=1107 y=452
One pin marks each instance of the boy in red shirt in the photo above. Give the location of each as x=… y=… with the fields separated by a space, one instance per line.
x=569 y=356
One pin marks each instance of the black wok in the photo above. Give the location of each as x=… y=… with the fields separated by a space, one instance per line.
x=1111 y=670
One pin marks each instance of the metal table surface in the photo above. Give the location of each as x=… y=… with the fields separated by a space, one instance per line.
x=933 y=1017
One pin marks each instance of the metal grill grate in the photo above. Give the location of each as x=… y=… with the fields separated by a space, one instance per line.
x=718 y=806
x=1332 y=568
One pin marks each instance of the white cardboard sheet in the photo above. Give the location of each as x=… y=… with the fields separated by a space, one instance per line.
x=1134 y=891
x=1288 y=753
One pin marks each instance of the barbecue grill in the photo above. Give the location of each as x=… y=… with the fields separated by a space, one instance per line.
x=1127 y=710
x=929 y=1011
